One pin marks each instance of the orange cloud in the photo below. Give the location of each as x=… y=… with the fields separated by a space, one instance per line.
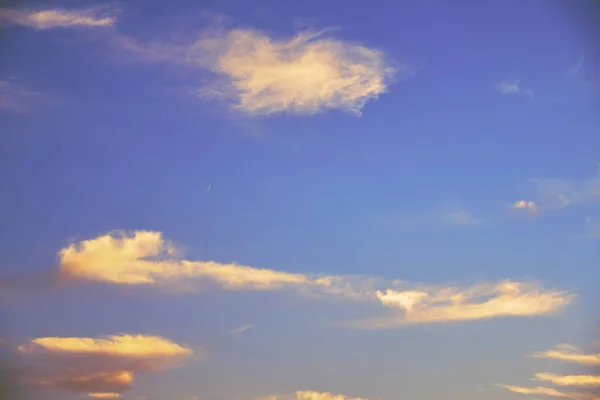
x=312 y=395
x=570 y=353
x=104 y=395
x=541 y=390
x=99 y=367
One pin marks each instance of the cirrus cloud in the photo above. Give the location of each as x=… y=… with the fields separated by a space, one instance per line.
x=57 y=18
x=306 y=74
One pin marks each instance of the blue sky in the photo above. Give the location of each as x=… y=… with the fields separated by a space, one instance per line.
x=369 y=200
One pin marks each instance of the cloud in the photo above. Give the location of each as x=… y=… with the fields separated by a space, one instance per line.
x=461 y=218
x=478 y=302
x=556 y=194
x=104 y=395
x=530 y=206
x=569 y=353
x=569 y=380
x=543 y=391
x=312 y=395
x=577 y=66
x=306 y=74
x=240 y=329
x=15 y=98
x=58 y=18
x=99 y=367
x=144 y=258
x=513 y=87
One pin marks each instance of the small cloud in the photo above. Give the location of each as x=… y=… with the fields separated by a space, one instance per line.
x=449 y=304
x=569 y=380
x=461 y=218
x=240 y=329
x=98 y=367
x=513 y=87
x=15 y=98
x=593 y=228
x=556 y=194
x=577 y=66
x=569 y=353
x=58 y=18
x=303 y=75
x=530 y=206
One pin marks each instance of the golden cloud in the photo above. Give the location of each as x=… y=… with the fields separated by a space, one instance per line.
x=104 y=395
x=47 y=19
x=302 y=75
x=569 y=380
x=543 y=391
x=568 y=352
x=99 y=367
x=477 y=302
x=145 y=258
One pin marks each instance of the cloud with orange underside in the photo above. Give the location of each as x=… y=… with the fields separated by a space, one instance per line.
x=100 y=367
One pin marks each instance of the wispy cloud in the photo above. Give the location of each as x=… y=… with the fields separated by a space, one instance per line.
x=569 y=353
x=593 y=228
x=57 y=18
x=99 y=367
x=529 y=206
x=15 y=98
x=461 y=218
x=240 y=329
x=555 y=193
x=575 y=69
x=544 y=391
x=569 y=380
x=305 y=74
x=450 y=304
x=513 y=87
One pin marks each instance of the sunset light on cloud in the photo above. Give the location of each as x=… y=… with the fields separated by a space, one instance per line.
x=263 y=200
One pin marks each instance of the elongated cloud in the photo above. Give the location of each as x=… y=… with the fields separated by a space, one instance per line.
x=569 y=353
x=461 y=218
x=144 y=258
x=544 y=391
x=58 y=18
x=15 y=98
x=569 y=380
x=312 y=395
x=99 y=367
x=512 y=87
x=477 y=302
x=305 y=74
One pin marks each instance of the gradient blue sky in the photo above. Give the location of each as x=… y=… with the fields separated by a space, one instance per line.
x=97 y=136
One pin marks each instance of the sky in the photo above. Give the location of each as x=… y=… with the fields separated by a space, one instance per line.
x=302 y=200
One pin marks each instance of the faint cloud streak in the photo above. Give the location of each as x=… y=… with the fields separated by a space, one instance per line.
x=513 y=87
x=58 y=18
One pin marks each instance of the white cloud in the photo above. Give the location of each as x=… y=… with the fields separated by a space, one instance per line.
x=305 y=74
x=240 y=329
x=513 y=87
x=543 y=391
x=57 y=18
